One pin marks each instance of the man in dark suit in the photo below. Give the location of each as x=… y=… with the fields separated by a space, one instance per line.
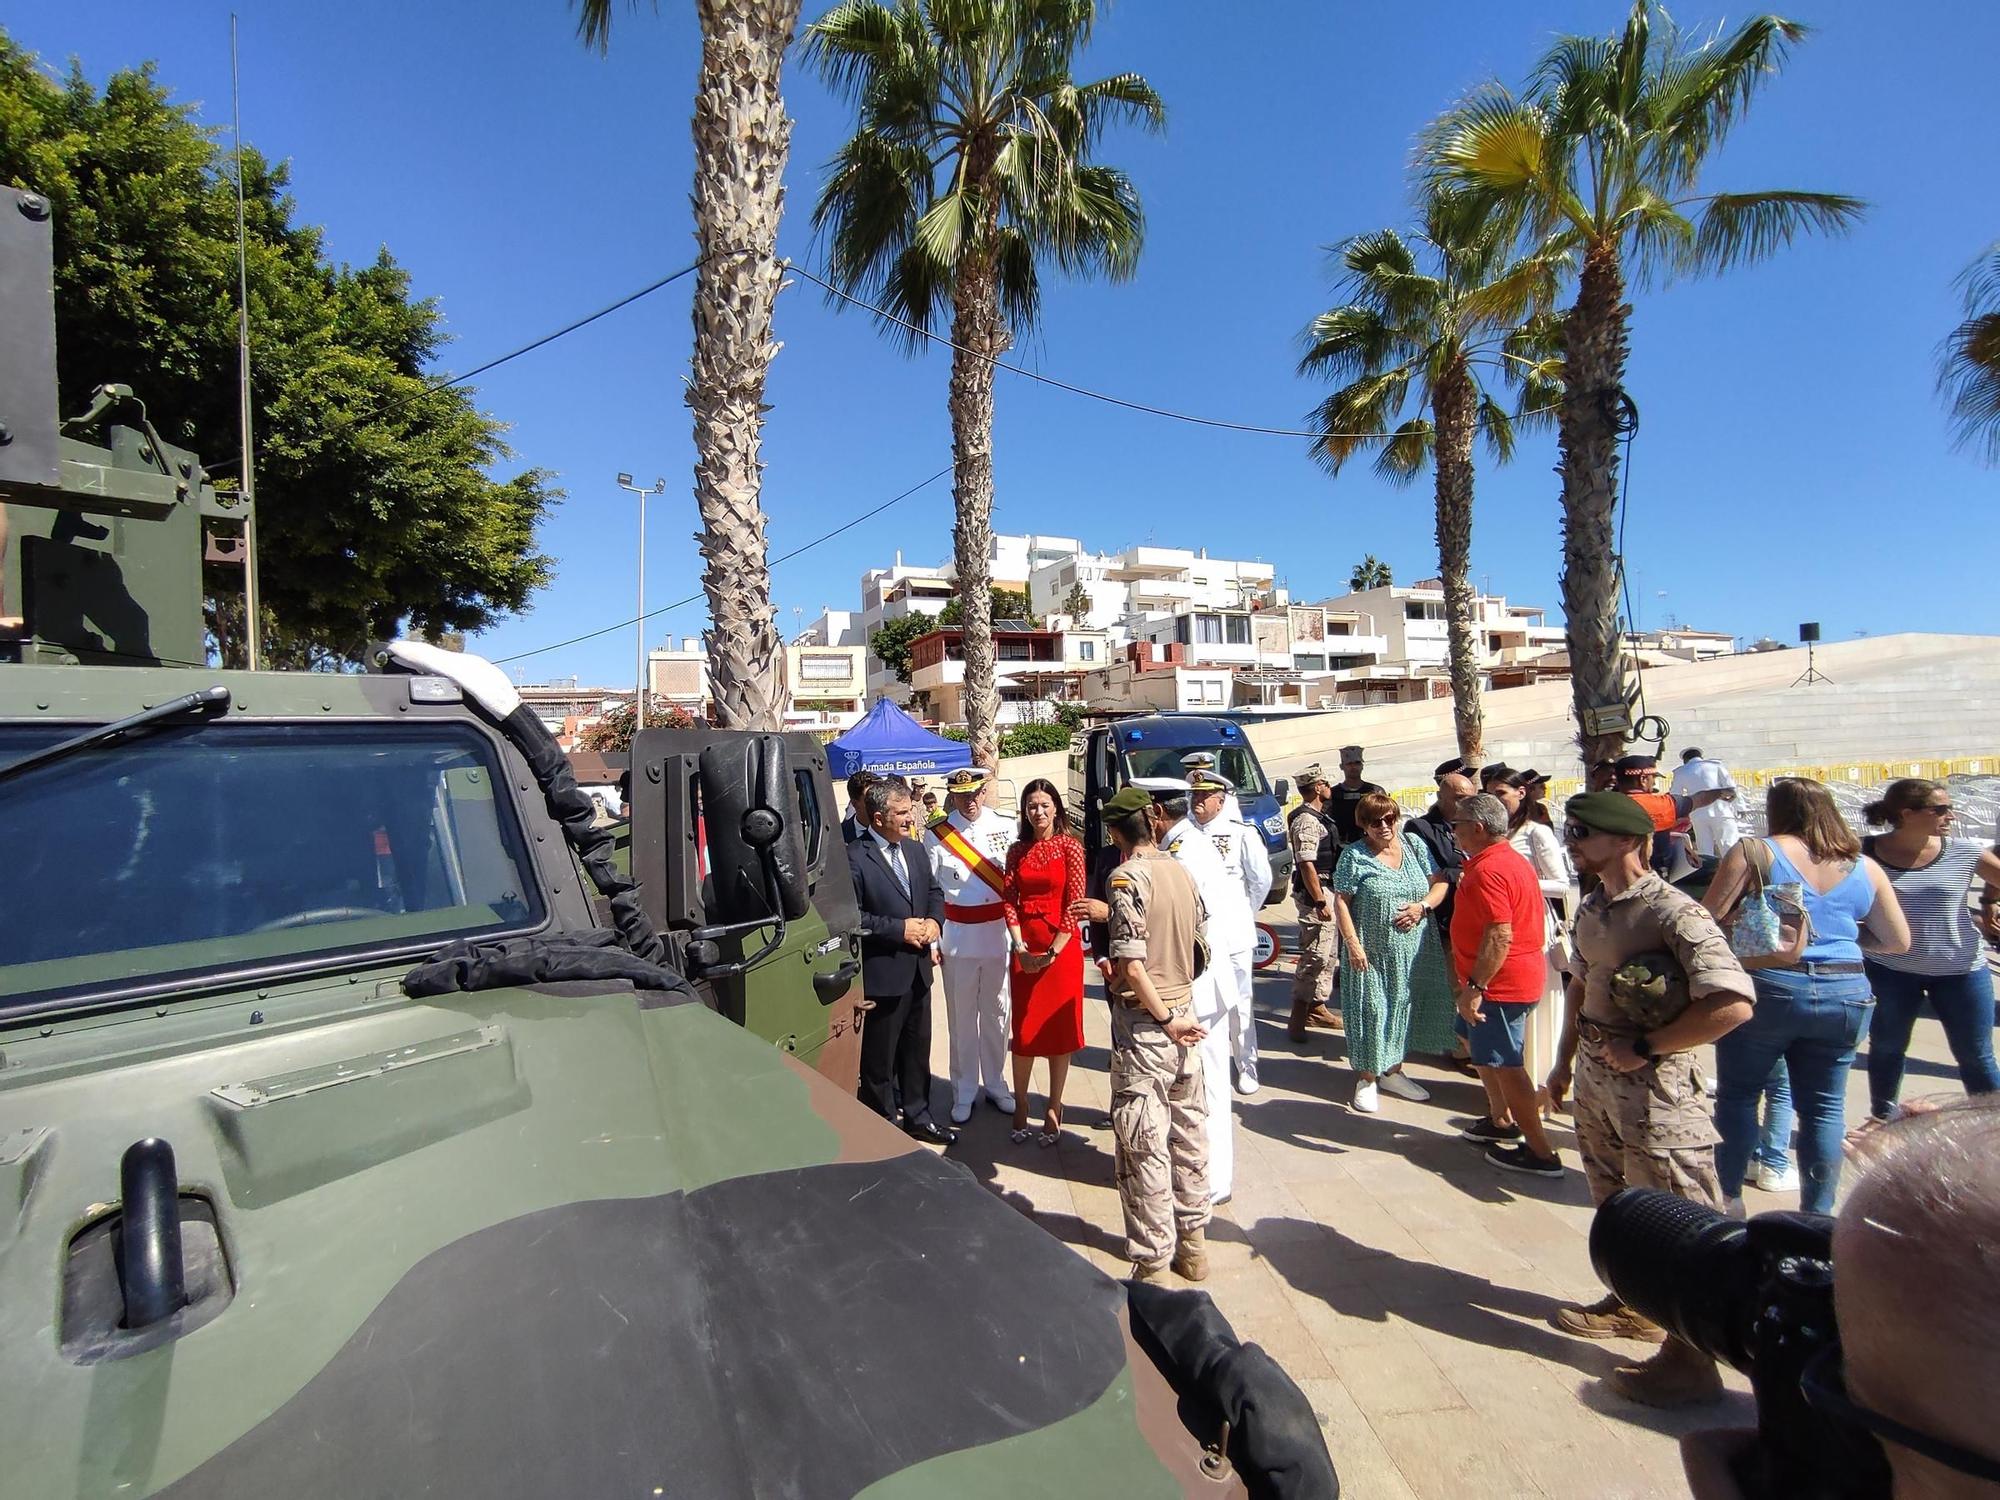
x=902 y=915
x=853 y=826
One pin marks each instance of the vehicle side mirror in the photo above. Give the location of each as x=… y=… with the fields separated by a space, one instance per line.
x=1281 y=789
x=756 y=849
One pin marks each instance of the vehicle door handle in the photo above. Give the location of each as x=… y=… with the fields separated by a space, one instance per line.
x=830 y=985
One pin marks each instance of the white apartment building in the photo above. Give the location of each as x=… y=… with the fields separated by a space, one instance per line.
x=892 y=592
x=1148 y=582
x=1410 y=622
x=832 y=627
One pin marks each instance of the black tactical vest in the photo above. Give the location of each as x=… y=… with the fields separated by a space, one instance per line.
x=1325 y=860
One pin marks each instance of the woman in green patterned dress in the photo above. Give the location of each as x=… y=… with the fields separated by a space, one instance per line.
x=1395 y=996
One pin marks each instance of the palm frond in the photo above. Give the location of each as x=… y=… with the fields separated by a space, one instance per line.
x=1350 y=340
x=1736 y=228
x=593 y=21
x=1407 y=450
x=1357 y=416
x=1700 y=93
x=1014 y=262
x=1123 y=98
x=1494 y=141
x=1969 y=362
x=1497 y=427
x=857 y=41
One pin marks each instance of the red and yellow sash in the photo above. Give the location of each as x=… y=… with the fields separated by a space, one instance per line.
x=961 y=849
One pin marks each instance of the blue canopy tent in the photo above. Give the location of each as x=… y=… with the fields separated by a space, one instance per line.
x=891 y=742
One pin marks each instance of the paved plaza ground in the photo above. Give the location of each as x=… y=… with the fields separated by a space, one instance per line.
x=1406 y=1285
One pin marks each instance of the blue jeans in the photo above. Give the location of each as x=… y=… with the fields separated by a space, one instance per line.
x=1812 y=1023
x=1774 y=1142
x=1963 y=1002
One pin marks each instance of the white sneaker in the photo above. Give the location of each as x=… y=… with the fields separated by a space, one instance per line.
x=1366 y=1097
x=1396 y=1086
x=1784 y=1180
x=1246 y=1078
x=1002 y=1102
x=960 y=1113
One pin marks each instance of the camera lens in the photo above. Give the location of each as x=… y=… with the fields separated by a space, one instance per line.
x=1685 y=1266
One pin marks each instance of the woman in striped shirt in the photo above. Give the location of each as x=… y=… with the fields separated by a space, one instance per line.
x=1932 y=873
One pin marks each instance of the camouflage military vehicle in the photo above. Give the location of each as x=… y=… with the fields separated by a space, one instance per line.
x=364 y=1132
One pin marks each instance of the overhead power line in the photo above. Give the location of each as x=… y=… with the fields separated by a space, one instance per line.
x=696 y=598
x=1106 y=397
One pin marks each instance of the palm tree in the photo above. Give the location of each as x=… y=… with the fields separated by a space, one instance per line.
x=1602 y=157
x=1370 y=573
x=1969 y=371
x=1429 y=330
x=969 y=170
x=741 y=140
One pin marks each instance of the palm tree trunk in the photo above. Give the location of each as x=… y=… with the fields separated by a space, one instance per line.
x=1594 y=348
x=981 y=337
x=741 y=139
x=1454 y=409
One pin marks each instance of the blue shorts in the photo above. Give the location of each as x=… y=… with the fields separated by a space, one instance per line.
x=1496 y=1041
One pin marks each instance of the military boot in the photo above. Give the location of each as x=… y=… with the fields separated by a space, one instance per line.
x=1678 y=1375
x=1609 y=1318
x=1295 y=1028
x=1143 y=1272
x=1191 y=1260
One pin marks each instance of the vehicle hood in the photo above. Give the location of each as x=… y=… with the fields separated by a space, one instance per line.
x=565 y=1240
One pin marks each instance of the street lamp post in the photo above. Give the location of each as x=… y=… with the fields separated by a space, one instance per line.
x=639 y=698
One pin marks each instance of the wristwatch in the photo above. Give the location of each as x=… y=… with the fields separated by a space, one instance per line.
x=1642 y=1048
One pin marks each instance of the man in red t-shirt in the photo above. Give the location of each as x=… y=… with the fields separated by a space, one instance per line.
x=1497 y=948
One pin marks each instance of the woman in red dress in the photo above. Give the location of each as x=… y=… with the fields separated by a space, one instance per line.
x=1045 y=874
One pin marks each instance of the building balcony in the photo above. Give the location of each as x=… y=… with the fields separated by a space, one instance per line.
x=1149 y=562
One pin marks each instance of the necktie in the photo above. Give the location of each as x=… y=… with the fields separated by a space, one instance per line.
x=897 y=867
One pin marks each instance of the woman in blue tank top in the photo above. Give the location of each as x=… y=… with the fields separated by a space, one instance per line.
x=1813 y=1006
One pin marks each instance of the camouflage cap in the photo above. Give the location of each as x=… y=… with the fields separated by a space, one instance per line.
x=1650 y=989
x=1312 y=775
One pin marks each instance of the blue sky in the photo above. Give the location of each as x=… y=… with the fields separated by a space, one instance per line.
x=1792 y=462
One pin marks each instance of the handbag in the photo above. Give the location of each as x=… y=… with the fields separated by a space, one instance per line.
x=1757 y=927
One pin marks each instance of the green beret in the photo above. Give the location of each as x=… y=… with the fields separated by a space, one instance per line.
x=1131 y=799
x=1610 y=812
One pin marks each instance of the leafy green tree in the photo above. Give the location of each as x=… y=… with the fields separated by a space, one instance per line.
x=742 y=138
x=891 y=641
x=1008 y=604
x=375 y=506
x=1370 y=573
x=1033 y=739
x=1602 y=157
x=971 y=169
x=1969 y=369
x=1422 y=318
x=612 y=734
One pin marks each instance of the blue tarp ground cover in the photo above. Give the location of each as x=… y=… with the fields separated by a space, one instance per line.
x=891 y=742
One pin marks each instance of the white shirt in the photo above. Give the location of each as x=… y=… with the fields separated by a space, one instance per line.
x=1197 y=856
x=992 y=834
x=1714 y=827
x=1247 y=863
x=1541 y=848
x=895 y=853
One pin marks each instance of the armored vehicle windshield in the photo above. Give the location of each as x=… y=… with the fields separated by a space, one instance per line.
x=226 y=848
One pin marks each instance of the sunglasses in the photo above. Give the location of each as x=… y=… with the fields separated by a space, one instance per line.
x=1388 y=822
x=1942 y=809
x=1576 y=833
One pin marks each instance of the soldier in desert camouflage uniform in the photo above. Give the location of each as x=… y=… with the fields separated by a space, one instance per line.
x=1642 y=1117
x=1158 y=1109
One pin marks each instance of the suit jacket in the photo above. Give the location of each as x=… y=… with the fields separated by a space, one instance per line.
x=889 y=966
